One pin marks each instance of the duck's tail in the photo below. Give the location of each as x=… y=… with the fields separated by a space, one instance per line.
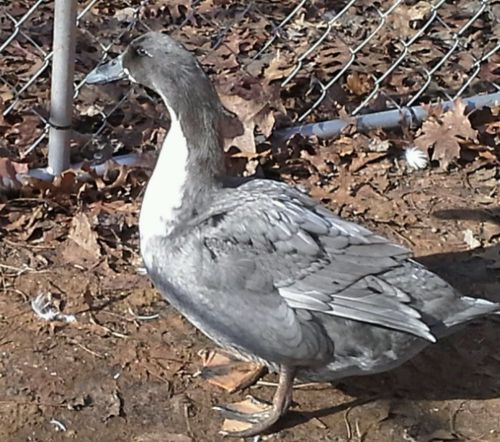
x=474 y=308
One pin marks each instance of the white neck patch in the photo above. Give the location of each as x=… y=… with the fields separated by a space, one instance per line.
x=165 y=189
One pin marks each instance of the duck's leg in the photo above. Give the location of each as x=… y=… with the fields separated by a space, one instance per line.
x=263 y=420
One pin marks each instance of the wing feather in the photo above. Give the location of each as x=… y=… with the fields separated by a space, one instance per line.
x=317 y=261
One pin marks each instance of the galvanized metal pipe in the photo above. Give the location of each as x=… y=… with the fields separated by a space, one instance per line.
x=385 y=119
x=61 y=92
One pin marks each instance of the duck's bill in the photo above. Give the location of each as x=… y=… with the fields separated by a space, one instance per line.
x=105 y=73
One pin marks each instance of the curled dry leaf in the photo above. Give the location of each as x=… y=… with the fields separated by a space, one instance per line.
x=251 y=105
x=359 y=84
x=332 y=57
x=175 y=8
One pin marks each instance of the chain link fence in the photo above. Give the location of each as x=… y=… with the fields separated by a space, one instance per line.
x=328 y=58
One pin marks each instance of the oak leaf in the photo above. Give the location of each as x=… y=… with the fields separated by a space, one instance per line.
x=446 y=133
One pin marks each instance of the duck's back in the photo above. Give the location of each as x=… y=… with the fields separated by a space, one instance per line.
x=265 y=271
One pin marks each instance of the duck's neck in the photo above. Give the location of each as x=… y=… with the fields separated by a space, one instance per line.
x=188 y=167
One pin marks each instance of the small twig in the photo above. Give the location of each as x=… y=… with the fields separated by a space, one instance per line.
x=157 y=376
x=17 y=269
x=20 y=293
x=26 y=246
x=115 y=315
x=143 y=317
x=109 y=330
x=358 y=430
x=21 y=270
x=400 y=235
x=453 y=419
x=347 y=423
x=88 y=350
x=186 y=417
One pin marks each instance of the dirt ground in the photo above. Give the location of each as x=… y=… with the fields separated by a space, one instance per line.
x=114 y=374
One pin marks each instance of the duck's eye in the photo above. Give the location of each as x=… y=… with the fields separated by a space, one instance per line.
x=142 y=52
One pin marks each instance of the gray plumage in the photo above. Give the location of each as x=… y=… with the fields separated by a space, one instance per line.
x=261 y=268
x=267 y=271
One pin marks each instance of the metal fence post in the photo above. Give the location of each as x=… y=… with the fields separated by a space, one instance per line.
x=61 y=94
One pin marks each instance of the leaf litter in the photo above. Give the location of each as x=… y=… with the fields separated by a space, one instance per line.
x=80 y=234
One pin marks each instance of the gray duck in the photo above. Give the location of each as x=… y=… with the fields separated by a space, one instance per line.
x=262 y=269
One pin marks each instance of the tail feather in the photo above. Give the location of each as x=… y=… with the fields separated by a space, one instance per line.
x=474 y=308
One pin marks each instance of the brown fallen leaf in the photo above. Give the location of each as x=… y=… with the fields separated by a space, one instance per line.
x=26 y=130
x=223 y=57
x=332 y=57
x=8 y=174
x=359 y=84
x=280 y=67
x=65 y=184
x=224 y=371
x=82 y=247
x=175 y=8
x=446 y=133
x=365 y=158
x=404 y=16
x=251 y=102
x=251 y=114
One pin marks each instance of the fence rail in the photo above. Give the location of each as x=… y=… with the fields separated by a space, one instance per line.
x=354 y=56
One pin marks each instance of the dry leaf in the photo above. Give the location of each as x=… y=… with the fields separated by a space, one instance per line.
x=445 y=133
x=82 y=245
x=404 y=16
x=279 y=68
x=359 y=84
x=228 y=373
x=8 y=174
x=251 y=112
x=365 y=158
x=332 y=57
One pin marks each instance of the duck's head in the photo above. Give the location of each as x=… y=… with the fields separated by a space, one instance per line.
x=160 y=63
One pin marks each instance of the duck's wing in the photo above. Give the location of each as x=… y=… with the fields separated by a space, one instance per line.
x=266 y=232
